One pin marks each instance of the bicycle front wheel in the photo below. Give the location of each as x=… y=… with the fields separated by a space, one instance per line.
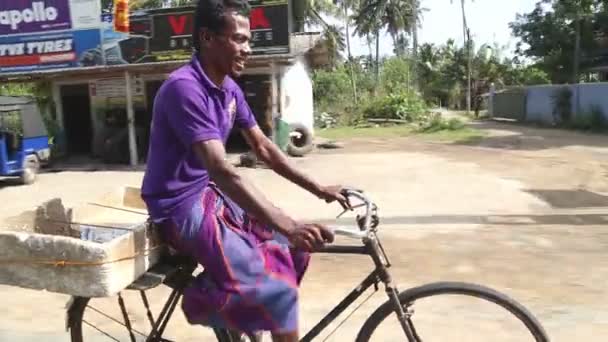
x=438 y=312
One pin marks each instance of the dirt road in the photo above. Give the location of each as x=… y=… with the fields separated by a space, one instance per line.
x=523 y=211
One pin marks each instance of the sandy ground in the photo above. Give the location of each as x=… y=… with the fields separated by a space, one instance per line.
x=523 y=212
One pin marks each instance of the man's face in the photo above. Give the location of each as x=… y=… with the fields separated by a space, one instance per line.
x=230 y=49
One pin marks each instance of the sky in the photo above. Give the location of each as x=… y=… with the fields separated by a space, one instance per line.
x=487 y=19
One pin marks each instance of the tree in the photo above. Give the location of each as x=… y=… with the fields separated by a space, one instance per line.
x=555 y=32
x=415 y=23
x=392 y=15
x=443 y=73
x=346 y=6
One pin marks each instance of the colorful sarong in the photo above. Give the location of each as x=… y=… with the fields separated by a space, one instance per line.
x=251 y=277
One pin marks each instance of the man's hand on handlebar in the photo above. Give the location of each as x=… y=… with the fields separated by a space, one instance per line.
x=310 y=237
x=334 y=193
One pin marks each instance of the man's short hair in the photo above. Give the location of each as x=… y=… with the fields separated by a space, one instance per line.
x=211 y=14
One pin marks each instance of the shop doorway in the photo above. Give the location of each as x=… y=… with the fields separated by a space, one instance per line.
x=77 y=121
x=143 y=118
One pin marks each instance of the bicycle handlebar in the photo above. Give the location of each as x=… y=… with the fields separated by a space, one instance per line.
x=366 y=226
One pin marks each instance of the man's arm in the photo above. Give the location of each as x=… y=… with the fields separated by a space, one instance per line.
x=213 y=156
x=270 y=154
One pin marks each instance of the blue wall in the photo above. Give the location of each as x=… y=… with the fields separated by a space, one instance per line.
x=539 y=102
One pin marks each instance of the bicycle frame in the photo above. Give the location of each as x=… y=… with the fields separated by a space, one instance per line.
x=373 y=248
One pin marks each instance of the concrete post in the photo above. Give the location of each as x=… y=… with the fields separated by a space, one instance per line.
x=131 y=120
x=491 y=100
x=274 y=90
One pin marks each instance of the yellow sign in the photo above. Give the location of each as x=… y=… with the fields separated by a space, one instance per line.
x=121 y=16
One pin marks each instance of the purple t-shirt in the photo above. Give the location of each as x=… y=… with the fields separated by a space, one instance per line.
x=188 y=108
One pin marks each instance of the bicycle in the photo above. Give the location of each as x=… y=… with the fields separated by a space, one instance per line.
x=176 y=271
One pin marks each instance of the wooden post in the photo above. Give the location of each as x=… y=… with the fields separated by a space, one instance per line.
x=131 y=120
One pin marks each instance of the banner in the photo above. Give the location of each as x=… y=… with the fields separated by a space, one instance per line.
x=50 y=50
x=49 y=34
x=269 y=21
x=22 y=17
x=17 y=16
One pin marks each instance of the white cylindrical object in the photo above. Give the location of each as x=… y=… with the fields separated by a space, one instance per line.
x=131 y=121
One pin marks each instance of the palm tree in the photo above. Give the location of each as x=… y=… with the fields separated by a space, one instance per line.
x=467 y=42
x=374 y=15
x=310 y=12
x=414 y=23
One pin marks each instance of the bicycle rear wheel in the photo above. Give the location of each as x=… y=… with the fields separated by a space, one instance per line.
x=103 y=319
x=523 y=321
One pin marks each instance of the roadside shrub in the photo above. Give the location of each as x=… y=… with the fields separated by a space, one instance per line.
x=331 y=86
x=401 y=106
x=396 y=74
x=436 y=123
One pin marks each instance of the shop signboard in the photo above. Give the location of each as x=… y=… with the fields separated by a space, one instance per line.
x=54 y=50
x=270 y=26
x=49 y=34
x=166 y=34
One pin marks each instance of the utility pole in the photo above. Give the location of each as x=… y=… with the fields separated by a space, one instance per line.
x=468 y=70
x=415 y=44
x=577 y=48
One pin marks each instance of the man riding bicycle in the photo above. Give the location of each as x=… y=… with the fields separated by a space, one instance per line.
x=253 y=253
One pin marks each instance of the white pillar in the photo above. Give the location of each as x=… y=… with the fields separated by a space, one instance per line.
x=274 y=93
x=131 y=120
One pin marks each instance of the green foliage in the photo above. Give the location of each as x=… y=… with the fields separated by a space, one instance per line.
x=396 y=74
x=11 y=121
x=400 y=106
x=436 y=123
x=331 y=85
x=548 y=33
x=524 y=76
x=17 y=89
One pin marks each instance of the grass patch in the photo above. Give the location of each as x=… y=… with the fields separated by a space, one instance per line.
x=464 y=135
x=460 y=135
x=348 y=132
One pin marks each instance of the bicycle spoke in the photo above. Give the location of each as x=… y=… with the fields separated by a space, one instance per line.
x=115 y=320
x=101 y=331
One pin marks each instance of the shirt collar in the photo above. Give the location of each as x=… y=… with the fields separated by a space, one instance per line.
x=207 y=83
